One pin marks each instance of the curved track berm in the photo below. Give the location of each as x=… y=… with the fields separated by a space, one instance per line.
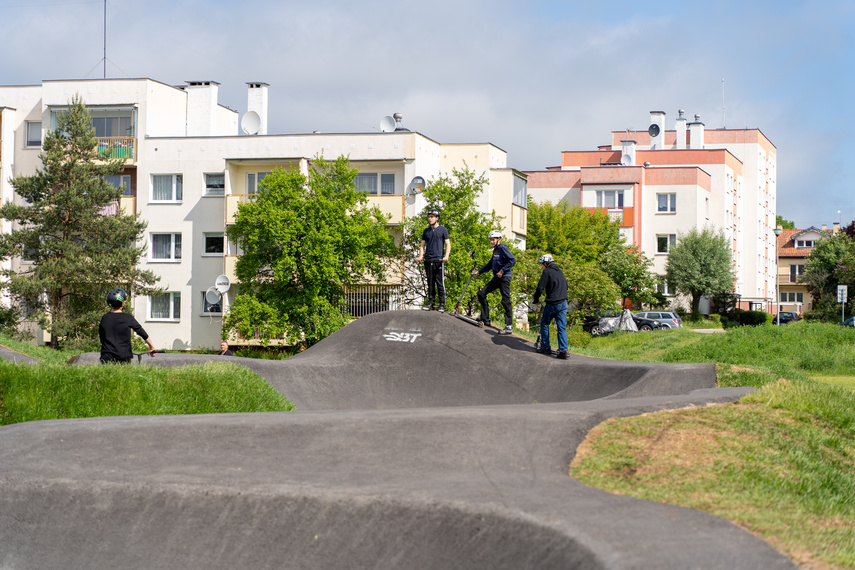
x=394 y=461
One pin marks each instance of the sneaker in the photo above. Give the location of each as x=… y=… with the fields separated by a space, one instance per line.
x=544 y=350
x=428 y=306
x=507 y=330
x=563 y=355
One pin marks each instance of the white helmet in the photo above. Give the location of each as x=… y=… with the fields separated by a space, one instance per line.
x=545 y=258
x=495 y=234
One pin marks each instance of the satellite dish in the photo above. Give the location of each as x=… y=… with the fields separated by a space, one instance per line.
x=387 y=124
x=251 y=123
x=626 y=160
x=222 y=283
x=653 y=130
x=212 y=296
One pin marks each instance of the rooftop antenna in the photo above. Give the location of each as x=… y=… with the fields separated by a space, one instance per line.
x=723 y=108
x=105 y=39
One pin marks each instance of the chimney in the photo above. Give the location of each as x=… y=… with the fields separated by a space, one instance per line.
x=824 y=228
x=657 y=129
x=627 y=157
x=201 y=107
x=256 y=102
x=835 y=228
x=681 y=130
x=696 y=133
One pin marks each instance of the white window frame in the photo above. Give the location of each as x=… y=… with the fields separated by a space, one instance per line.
x=603 y=194
x=205 y=236
x=790 y=297
x=173 y=249
x=252 y=181
x=177 y=193
x=670 y=203
x=206 y=312
x=215 y=187
x=663 y=287
x=671 y=242
x=28 y=142
x=804 y=243
x=376 y=183
x=174 y=302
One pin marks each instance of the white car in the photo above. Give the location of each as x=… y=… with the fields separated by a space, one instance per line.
x=667 y=319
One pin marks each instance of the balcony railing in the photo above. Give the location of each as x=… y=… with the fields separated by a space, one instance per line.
x=120 y=147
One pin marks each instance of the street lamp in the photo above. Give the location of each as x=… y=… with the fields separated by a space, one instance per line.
x=778 y=231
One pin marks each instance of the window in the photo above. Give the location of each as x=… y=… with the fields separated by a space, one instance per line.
x=666 y=203
x=166 y=247
x=214 y=243
x=609 y=198
x=34 y=133
x=120 y=181
x=792 y=297
x=167 y=187
x=796 y=271
x=804 y=243
x=215 y=184
x=368 y=183
x=664 y=243
x=253 y=179
x=520 y=192
x=663 y=288
x=211 y=308
x=165 y=307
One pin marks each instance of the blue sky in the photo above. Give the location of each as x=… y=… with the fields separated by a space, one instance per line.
x=533 y=78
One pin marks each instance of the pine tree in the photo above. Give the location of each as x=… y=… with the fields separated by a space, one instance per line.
x=68 y=225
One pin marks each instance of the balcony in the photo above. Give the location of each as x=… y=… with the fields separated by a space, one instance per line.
x=519 y=221
x=120 y=147
x=391 y=205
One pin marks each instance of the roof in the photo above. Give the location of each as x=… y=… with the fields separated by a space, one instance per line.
x=787 y=244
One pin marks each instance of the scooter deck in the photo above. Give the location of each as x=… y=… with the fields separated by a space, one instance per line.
x=467 y=319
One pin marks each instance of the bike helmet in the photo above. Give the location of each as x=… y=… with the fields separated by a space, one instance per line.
x=116 y=297
x=433 y=211
x=545 y=258
x=495 y=234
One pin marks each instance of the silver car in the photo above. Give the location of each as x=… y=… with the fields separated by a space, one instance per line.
x=666 y=318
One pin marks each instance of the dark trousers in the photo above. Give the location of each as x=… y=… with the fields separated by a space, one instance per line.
x=504 y=287
x=435 y=282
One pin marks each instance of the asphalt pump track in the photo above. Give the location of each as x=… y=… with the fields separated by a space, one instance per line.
x=420 y=441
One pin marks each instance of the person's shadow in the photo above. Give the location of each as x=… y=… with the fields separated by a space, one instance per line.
x=511 y=341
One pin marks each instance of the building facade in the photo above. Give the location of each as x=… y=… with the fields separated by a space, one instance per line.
x=662 y=183
x=189 y=161
x=794 y=247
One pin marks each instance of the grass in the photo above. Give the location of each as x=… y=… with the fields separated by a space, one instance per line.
x=780 y=463
x=59 y=391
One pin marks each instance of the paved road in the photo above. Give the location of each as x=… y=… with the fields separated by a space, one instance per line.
x=421 y=442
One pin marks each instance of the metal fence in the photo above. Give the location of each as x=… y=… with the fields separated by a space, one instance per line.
x=367 y=299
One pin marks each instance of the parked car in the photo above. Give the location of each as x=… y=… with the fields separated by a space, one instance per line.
x=591 y=323
x=850 y=322
x=667 y=319
x=786 y=317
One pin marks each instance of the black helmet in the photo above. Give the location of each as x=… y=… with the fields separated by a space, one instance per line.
x=433 y=211
x=116 y=297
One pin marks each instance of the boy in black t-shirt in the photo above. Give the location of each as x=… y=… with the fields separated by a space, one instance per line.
x=115 y=331
x=434 y=241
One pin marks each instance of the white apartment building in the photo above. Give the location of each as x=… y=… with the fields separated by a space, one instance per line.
x=190 y=160
x=660 y=183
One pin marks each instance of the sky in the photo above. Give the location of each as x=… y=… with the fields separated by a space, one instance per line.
x=533 y=77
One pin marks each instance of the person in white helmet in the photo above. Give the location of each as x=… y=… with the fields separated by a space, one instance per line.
x=554 y=285
x=500 y=264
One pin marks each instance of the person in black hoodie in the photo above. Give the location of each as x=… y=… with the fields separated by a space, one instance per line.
x=500 y=264
x=115 y=331
x=553 y=283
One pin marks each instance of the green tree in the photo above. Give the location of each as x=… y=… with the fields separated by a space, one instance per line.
x=69 y=225
x=629 y=268
x=455 y=197
x=570 y=231
x=700 y=264
x=304 y=240
x=785 y=224
x=831 y=263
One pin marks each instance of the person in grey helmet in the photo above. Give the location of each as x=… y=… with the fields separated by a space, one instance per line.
x=434 y=251
x=500 y=264
x=115 y=331
x=554 y=285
